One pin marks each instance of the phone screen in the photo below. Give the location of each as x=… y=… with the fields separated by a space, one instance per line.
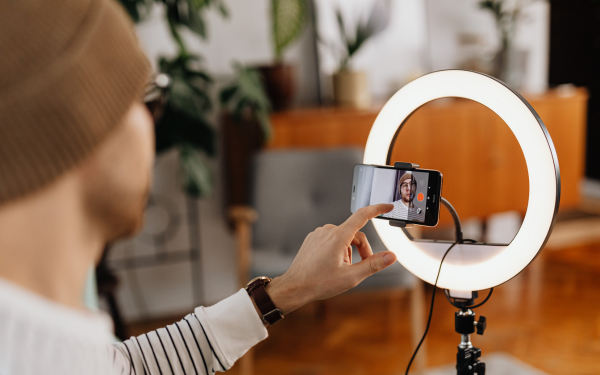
x=407 y=190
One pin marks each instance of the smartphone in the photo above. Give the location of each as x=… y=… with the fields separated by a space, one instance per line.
x=415 y=193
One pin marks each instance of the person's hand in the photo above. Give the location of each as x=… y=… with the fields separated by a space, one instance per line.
x=323 y=267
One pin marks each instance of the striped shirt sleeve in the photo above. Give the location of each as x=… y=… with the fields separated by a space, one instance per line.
x=210 y=339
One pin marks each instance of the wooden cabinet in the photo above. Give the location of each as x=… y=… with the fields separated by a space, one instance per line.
x=483 y=166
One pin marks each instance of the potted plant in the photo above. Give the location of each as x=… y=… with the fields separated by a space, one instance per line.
x=184 y=124
x=510 y=61
x=350 y=87
x=287 y=21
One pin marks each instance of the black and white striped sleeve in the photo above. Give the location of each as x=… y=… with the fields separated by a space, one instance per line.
x=210 y=339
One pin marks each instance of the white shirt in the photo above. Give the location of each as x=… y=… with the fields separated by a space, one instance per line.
x=400 y=211
x=39 y=336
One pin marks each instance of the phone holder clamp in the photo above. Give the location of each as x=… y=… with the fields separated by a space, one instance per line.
x=400 y=224
x=403 y=165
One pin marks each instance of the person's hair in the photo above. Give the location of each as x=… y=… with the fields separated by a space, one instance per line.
x=413 y=185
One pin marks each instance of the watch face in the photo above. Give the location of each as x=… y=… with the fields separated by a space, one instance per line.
x=258 y=280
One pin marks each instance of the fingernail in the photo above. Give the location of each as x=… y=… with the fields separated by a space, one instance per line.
x=389 y=258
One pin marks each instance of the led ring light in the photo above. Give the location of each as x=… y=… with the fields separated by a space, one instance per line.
x=471 y=267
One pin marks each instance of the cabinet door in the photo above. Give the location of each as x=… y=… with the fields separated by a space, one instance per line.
x=483 y=166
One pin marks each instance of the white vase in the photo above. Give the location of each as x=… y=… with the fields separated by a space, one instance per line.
x=511 y=66
x=351 y=89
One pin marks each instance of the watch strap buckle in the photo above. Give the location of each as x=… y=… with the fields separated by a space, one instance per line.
x=273 y=316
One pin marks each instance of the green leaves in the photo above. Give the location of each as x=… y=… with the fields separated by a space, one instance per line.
x=496 y=7
x=246 y=97
x=197 y=176
x=190 y=13
x=176 y=128
x=376 y=22
x=288 y=18
x=179 y=13
x=186 y=13
x=184 y=123
x=190 y=84
x=133 y=7
x=507 y=16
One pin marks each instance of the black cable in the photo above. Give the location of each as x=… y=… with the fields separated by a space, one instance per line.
x=459 y=239
x=432 y=302
x=457 y=226
x=484 y=301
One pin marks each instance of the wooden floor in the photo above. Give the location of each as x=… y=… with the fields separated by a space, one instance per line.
x=549 y=317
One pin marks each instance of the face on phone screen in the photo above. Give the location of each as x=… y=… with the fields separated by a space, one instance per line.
x=407 y=190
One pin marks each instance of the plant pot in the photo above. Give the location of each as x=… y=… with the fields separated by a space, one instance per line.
x=351 y=89
x=241 y=140
x=280 y=84
x=510 y=65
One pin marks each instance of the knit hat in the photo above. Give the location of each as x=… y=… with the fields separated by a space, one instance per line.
x=404 y=177
x=69 y=70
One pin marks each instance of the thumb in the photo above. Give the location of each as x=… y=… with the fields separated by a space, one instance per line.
x=373 y=264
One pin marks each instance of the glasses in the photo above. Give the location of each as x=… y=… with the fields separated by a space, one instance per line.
x=406 y=186
x=155 y=95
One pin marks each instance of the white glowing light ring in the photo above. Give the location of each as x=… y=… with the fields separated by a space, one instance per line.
x=473 y=267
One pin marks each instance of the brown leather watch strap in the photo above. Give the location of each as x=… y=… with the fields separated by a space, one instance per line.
x=256 y=289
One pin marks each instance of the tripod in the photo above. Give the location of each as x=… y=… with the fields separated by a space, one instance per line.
x=467 y=358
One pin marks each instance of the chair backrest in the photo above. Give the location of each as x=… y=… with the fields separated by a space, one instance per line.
x=294 y=192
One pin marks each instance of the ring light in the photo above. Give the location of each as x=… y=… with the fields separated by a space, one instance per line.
x=470 y=267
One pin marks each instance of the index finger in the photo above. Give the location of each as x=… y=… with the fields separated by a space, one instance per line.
x=361 y=216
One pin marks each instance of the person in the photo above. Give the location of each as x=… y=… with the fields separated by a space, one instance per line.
x=406 y=187
x=76 y=158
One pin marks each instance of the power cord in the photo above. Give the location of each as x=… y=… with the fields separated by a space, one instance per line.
x=432 y=302
x=459 y=240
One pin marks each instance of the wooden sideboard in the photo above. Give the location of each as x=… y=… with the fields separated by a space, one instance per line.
x=483 y=166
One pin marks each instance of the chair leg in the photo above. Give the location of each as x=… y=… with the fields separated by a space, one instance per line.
x=417 y=312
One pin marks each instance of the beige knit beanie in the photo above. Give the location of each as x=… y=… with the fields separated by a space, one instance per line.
x=69 y=70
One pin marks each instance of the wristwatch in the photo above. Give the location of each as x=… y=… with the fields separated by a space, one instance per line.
x=256 y=290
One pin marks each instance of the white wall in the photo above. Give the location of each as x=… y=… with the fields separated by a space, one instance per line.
x=447 y=19
x=244 y=37
x=423 y=36
x=391 y=58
